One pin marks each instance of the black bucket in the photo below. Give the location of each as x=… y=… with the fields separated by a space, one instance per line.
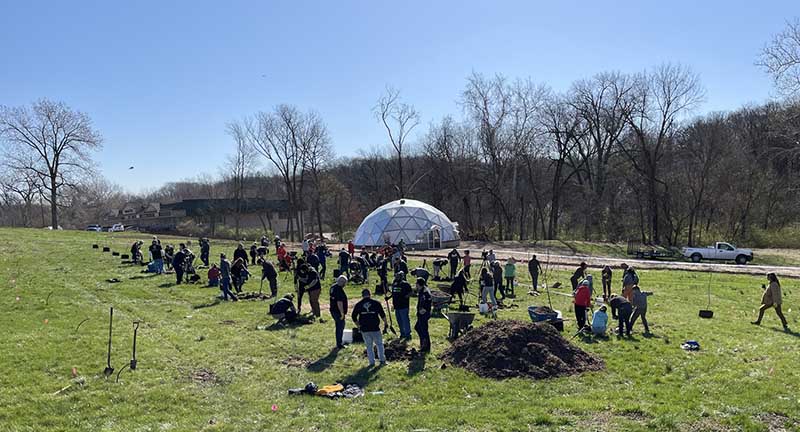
x=125 y=256
x=706 y=314
x=106 y=249
x=95 y=247
x=114 y=253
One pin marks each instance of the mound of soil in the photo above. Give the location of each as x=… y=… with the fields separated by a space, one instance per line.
x=204 y=376
x=507 y=348
x=396 y=350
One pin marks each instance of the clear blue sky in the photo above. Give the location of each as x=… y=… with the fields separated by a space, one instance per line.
x=162 y=78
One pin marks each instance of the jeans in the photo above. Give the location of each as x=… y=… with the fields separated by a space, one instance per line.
x=453 y=268
x=159 y=265
x=322 y=268
x=487 y=293
x=510 y=284
x=339 y=323
x=225 y=286
x=624 y=317
x=640 y=312
x=498 y=285
x=370 y=339
x=535 y=281
x=213 y=282
x=404 y=322
x=422 y=331
x=204 y=257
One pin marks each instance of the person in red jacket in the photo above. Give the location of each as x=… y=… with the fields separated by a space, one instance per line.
x=351 y=248
x=583 y=299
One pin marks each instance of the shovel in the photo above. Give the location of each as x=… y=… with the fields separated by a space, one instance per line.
x=109 y=370
x=389 y=313
x=708 y=313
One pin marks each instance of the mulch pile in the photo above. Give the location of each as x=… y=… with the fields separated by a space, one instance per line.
x=204 y=376
x=507 y=348
x=252 y=296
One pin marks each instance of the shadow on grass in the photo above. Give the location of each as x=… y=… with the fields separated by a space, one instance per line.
x=143 y=276
x=362 y=377
x=323 y=363
x=788 y=332
x=417 y=364
x=301 y=320
x=214 y=302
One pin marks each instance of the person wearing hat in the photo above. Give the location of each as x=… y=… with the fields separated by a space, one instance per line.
x=600 y=321
x=253 y=253
x=582 y=300
x=424 y=307
x=401 y=295
x=367 y=314
x=338 y=303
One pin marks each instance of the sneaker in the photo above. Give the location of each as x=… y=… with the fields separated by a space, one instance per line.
x=372 y=364
x=383 y=363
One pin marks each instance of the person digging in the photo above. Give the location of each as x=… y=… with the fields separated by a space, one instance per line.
x=367 y=314
x=338 y=303
x=424 y=307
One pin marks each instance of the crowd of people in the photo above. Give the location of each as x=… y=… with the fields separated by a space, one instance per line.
x=393 y=281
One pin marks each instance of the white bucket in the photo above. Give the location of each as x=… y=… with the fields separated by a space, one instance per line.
x=483 y=308
x=347 y=336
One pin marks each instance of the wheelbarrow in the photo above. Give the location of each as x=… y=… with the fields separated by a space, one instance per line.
x=460 y=323
x=440 y=301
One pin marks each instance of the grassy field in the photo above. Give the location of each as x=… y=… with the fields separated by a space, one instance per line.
x=744 y=378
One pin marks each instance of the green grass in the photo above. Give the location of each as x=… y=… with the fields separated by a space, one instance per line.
x=745 y=378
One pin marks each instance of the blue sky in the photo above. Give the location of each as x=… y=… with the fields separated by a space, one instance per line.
x=162 y=78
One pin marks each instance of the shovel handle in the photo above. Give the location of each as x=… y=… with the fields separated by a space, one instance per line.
x=110 y=326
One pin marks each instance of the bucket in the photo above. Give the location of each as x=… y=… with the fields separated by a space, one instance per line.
x=706 y=314
x=347 y=336
x=483 y=308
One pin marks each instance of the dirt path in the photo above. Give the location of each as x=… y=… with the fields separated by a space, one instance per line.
x=570 y=261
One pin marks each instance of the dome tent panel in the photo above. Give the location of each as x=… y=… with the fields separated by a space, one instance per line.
x=408 y=220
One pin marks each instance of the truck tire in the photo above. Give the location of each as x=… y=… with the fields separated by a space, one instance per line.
x=741 y=259
x=696 y=257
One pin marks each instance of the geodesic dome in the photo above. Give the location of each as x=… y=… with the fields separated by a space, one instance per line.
x=418 y=224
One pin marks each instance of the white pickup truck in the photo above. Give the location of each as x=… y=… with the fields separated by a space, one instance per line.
x=720 y=251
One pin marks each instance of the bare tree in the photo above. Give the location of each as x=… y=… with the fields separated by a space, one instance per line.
x=282 y=137
x=662 y=97
x=58 y=141
x=781 y=59
x=399 y=119
x=318 y=153
x=239 y=166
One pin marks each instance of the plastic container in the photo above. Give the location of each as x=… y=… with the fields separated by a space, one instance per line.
x=347 y=336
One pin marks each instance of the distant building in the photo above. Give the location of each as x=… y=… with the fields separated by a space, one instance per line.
x=157 y=217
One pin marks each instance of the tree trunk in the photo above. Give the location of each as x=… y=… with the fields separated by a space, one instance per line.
x=53 y=204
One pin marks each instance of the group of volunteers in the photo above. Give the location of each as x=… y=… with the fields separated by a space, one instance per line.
x=394 y=283
x=626 y=308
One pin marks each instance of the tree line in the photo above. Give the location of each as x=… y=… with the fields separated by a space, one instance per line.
x=615 y=156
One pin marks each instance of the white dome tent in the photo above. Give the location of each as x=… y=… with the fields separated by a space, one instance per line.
x=419 y=225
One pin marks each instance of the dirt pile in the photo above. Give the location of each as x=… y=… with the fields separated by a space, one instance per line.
x=506 y=349
x=396 y=350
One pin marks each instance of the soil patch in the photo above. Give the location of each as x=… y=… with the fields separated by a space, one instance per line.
x=509 y=348
x=397 y=350
x=296 y=362
x=204 y=376
x=252 y=296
